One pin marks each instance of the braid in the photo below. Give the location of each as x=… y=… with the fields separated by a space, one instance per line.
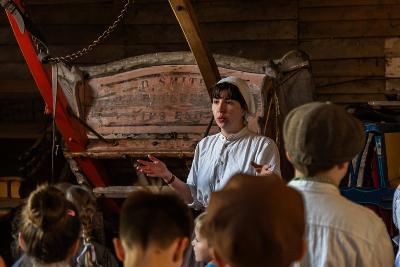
x=86 y=203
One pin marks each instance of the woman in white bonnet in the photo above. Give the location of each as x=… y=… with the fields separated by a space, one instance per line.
x=218 y=157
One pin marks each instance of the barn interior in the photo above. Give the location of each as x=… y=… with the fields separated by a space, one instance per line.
x=352 y=50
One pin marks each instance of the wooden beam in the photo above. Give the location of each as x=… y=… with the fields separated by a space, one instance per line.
x=183 y=11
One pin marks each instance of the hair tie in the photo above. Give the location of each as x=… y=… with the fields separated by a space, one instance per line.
x=71 y=212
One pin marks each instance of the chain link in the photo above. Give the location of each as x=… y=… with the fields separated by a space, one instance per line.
x=102 y=37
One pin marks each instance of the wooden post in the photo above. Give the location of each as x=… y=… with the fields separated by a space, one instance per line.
x=186 y=17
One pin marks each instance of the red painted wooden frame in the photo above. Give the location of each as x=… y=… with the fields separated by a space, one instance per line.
x=73 y=133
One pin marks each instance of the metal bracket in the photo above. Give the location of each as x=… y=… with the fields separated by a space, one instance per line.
x=12 y=8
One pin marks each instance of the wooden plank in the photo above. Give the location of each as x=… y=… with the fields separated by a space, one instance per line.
x=215 y=32
x=266 y=30
x=101 y=54
x=6 y=35
x=141 y=49
x=343 y=29
x=155 y=34
x=215 y=11
x=197 y=41
x=392 y=69
x=393 y=84
x=21 y=108
x=349 y=86
x=254 y=49
x=10 y=53
x=110 y=52
x=390 y=104
x=321 y=3
x=78 y=34
x=24 y=130
x=125 y=191
x=18 y=87
x=348 y=99
x=182 y=146
x=247 y=49
x=62 y=2
x=341 y=13
x=71 y=13
x=343 y=48
x=176 y=61
x=392 y=47
x=349 y=67
x=218 y=11
x=14 y=71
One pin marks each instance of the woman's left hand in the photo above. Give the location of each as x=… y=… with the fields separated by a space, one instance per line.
x=154 y=168
x=262 y=169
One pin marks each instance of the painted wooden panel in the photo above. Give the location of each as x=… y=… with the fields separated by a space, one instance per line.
x=157 y=99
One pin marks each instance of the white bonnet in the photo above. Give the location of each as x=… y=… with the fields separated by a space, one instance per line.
x=244 y=90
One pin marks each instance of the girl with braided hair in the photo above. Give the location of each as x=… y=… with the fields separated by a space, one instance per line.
x=90 y=252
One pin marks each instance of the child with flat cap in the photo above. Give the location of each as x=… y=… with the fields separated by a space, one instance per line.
x=320 y=139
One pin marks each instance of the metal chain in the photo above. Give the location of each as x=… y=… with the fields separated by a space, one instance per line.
x=102 y=37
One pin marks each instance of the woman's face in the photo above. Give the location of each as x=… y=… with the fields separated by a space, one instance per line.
x=200 y=247
x=228 y=114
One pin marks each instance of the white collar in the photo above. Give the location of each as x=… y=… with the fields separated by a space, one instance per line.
x=315 y=186
x=235 y=136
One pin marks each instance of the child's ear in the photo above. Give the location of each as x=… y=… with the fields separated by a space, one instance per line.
x=343 y=165
x=21 y=242
x=288 y=156
x=218 y=260
x=180 y=247
x=303 y=250
x=119 y=250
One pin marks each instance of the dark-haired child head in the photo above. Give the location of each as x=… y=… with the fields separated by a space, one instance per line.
x=153 y=228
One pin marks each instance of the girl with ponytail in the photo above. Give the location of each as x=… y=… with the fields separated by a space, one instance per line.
x=49 y=231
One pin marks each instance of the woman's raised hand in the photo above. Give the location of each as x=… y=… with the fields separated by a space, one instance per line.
x=262 y=169
x=154 y=168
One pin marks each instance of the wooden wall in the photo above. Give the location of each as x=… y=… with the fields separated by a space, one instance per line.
x=353 y=44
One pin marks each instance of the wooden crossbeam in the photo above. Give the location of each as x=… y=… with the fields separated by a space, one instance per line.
x=187 y=19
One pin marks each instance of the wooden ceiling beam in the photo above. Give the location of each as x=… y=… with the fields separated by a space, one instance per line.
x=187 y=19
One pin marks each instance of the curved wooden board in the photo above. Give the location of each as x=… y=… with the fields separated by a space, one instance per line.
x=153 y=105
x=155 y=100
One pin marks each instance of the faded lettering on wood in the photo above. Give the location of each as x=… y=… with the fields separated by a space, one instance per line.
x=157 y=99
